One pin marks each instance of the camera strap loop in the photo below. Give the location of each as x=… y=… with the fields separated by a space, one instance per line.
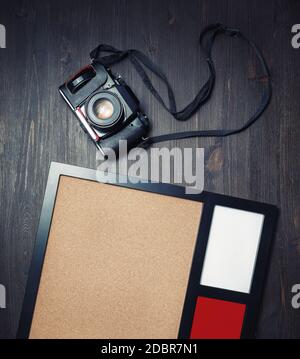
x=207 y=38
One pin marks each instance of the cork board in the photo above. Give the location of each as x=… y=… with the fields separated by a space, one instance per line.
x=117 y=263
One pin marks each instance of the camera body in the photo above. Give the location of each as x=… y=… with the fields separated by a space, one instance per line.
x=106 y=107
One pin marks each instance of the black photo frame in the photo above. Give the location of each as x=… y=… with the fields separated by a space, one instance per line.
x=194 y=289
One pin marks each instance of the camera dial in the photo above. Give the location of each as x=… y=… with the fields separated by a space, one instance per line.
x=104 y=110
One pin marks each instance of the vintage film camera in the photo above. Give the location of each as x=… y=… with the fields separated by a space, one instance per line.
x=106 y=107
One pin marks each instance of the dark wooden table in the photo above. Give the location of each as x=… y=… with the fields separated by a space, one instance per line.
x=49 y=40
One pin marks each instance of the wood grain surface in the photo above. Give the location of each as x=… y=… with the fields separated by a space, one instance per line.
x=47 y=41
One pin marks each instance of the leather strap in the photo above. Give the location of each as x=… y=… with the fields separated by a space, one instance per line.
x=207 y=38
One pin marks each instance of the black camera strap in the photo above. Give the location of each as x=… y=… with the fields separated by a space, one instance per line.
x=207 y=38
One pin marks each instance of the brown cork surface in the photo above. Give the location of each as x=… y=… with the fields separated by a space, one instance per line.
x=117 y=263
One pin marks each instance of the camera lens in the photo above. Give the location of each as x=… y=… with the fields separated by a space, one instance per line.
x=104 y=110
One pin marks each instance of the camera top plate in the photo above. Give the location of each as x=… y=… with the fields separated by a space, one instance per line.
x=91 y=84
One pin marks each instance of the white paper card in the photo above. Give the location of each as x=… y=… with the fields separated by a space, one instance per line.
x=232 y=249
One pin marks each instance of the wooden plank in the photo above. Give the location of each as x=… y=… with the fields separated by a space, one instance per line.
x=49 y=40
